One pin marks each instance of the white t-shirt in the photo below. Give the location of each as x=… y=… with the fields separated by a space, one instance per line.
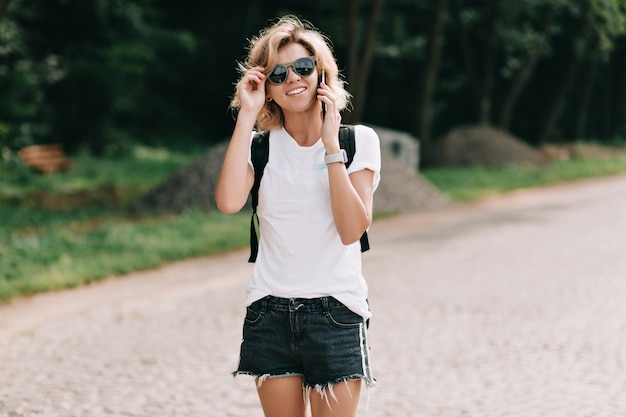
x=300 y=251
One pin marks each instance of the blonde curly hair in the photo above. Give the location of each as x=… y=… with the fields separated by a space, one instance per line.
x=263 y=51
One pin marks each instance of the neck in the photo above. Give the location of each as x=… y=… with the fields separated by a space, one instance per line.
x=303 y=128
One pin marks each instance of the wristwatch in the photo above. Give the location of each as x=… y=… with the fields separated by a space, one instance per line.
x=341 y=156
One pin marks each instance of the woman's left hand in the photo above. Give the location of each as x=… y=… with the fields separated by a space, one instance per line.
x=332 y=120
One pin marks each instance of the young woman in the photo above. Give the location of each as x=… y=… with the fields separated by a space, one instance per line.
x=304 y=334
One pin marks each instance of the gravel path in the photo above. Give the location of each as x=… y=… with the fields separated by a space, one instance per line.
x=508 y=307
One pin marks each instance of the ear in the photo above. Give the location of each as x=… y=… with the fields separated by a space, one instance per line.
x=268 y=98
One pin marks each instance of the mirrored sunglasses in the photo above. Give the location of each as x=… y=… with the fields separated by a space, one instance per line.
x=304 y=67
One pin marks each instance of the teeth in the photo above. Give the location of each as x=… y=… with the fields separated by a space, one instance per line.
x=296 y=91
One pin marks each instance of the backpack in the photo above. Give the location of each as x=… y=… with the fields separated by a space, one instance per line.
x=260 y=151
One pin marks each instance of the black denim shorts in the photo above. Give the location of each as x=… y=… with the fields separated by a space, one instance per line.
x=318 y=339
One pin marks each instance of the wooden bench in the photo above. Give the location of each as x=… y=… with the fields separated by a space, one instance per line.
x=46 y=159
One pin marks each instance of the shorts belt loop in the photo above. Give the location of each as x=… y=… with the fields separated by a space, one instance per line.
x=325 y=306
x=264 y=303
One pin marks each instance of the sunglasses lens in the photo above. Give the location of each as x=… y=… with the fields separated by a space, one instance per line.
x=279 y=75
x=304 y=67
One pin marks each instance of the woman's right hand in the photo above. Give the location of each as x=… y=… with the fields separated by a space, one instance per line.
x=251 y=90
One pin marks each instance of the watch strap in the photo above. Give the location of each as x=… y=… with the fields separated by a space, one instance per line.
x=341 y=156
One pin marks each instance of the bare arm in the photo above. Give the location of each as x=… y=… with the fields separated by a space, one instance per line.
x=236 y=177
x=351 y=199
x=351 y=195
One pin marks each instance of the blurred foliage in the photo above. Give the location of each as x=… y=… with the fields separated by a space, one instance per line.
x=101 y=75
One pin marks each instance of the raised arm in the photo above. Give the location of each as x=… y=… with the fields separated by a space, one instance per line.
x=236 y=177
x=351 y=195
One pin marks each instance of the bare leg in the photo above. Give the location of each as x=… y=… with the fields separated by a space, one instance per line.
x=347 y=394
x=282 y=397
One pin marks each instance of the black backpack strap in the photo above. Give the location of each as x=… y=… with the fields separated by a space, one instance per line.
x=347 y=141
x=259 y=153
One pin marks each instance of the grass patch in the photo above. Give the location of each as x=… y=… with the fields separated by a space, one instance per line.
x=470 y=183
x=64 y=253
x=65 y=230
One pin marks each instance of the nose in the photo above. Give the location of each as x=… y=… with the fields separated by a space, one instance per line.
x=291 y=71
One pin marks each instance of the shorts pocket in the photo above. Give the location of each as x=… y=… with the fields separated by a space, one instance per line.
x=253 y=315
x=344 y=317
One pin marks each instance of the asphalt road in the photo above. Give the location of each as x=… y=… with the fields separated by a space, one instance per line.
x=514 y=306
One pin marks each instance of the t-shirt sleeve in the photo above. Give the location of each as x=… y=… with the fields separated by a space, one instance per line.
x=250 y=151
x=367 y=154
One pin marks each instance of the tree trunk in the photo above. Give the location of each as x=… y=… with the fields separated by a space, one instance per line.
x=489 y=66
x=619 y=110
x=587 y=93
x=359 y=70
x=352 y=19
x=467 y=52
x=481 y=85
x=560 y=95
x=523 y=75
x=613 y=120
x=426 y=90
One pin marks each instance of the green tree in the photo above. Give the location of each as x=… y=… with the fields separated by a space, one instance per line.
x=98 y=58
x=22 y=80
x=501 y=43
x=598 y=24
x=430 y=74
x=360 y=53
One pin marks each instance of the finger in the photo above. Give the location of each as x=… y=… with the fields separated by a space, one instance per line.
x=256 y=72
x=324 y=97
x=252 y=82
x=324 y=91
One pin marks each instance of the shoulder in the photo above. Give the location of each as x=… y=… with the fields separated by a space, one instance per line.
x=366 y=143
x=365 y=136
x=264 y=135
x=367 y=151
x=363 y=129
x=365 y=133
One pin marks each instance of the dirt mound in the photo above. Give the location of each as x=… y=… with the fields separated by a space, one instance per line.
x=401 y=189
x=192 y=187
x=485 y=145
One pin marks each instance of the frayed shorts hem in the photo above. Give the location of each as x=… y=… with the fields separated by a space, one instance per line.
x=326 y=391
x=370 y=383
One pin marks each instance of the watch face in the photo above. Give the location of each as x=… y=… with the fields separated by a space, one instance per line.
x=342 y=156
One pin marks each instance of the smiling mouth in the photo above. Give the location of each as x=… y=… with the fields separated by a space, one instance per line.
x=296 y=91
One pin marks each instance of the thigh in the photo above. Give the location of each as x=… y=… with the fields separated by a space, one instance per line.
x=342 y=402
x=282 y=397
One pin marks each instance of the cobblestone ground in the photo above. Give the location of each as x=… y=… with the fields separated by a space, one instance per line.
x=511 y=307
